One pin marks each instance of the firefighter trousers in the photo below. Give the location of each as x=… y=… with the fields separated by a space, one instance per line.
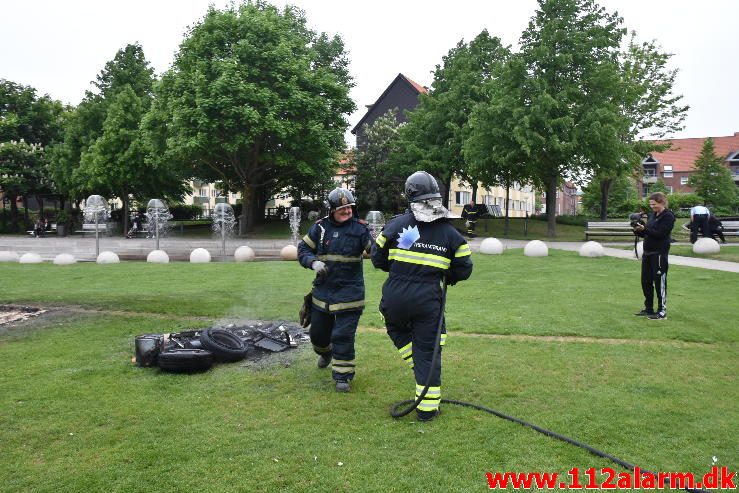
x=411 y=312
x=333 y=334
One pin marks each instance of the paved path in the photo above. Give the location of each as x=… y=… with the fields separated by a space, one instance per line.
x=179 y=248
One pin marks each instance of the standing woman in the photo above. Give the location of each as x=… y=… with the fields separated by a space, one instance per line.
x=656 y=233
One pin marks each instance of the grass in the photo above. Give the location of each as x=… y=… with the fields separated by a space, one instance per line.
x=80 y=417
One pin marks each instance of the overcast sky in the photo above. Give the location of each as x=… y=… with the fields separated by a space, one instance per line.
x=59 y=46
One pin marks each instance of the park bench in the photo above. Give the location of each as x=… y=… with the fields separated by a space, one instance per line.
x=89 y=228
x=606 y=228
x=51 y=230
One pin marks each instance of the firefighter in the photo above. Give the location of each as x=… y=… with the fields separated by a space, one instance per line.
x=469 y=213
x=334 y=248
x=418 y=249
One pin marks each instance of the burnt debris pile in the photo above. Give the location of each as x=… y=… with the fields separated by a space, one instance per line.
x=15 y=313
x=197 y=350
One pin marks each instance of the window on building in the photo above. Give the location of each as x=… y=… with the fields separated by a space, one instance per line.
x=203 y=192
x=650 y=172
x=645 y=189
x=667 y=171
x=683 y=180
x=463 y=198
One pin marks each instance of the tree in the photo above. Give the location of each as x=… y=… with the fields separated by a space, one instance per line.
x=380 y=182
x=652 y=110
x=558 y=101
x=624 y=197
x=253 y=99
x=436 y=130
x=117 y=164
x=711 y=179
x=28 y=124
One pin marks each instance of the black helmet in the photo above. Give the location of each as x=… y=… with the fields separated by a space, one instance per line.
x=340 y=197
x=421 y=186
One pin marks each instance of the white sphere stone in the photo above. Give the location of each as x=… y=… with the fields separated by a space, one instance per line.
x=640 y=249
x=536 y=248
x=200 y=256
x=492 y=246
x=591 y=249
x=108 y=258
x=244 y=254
x=157 y=257
x=706 y=245
x=30 y=258
x=290 y=252
x=7 y=256
x=64 y=259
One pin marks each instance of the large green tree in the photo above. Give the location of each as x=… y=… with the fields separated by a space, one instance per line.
x=711 y=179
x=104 y=150
x=253 y=99
x=28 y=124
x=559 y=101
x=437 y=128
x=653 y=112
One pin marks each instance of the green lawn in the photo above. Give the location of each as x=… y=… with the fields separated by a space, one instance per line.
x=550 y=340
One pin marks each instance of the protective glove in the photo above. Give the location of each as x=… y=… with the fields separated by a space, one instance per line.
x=319 y=267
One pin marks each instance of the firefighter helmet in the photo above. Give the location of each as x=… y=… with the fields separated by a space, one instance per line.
x=421 y=186
x=340 y=197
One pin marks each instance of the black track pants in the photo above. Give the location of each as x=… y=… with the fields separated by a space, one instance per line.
x=654 y=279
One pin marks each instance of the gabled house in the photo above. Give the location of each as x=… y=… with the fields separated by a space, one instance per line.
x=675 y=165
x=401 y=95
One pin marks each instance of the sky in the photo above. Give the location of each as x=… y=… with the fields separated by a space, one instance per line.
x=58 y=47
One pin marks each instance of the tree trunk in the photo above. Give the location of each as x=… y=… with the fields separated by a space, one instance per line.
x=552 y=206
x=246 y=221
x=13 y=212
x=605 y=190
x=26 y=219
x=507 y=201
x=474 y=192
x=125 y=200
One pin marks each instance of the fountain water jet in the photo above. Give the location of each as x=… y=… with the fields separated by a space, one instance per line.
x=223 y=224
x=158 y=216
x=295 y=224
x=375 y=221
x=96 y=212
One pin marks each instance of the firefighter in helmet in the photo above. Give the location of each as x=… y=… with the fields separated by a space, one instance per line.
x=419 y=249
x=334 y=249
x=469 y=214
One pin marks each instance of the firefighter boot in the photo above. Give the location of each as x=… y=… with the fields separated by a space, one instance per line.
x=324 y=360
x=343 y=386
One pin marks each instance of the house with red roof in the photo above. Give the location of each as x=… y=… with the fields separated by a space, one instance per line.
x=675 y=165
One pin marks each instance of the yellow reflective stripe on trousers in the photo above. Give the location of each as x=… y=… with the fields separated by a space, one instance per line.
x=380 y=240
x=337 y=306
x=309 y=242
x=463 y=251
x=442 y=341
x=406 y=352
x=431 y=400
x=343 y=366
x=428 y=259
x=339 y=258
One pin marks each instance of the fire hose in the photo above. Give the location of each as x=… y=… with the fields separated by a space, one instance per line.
x=396 y=413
